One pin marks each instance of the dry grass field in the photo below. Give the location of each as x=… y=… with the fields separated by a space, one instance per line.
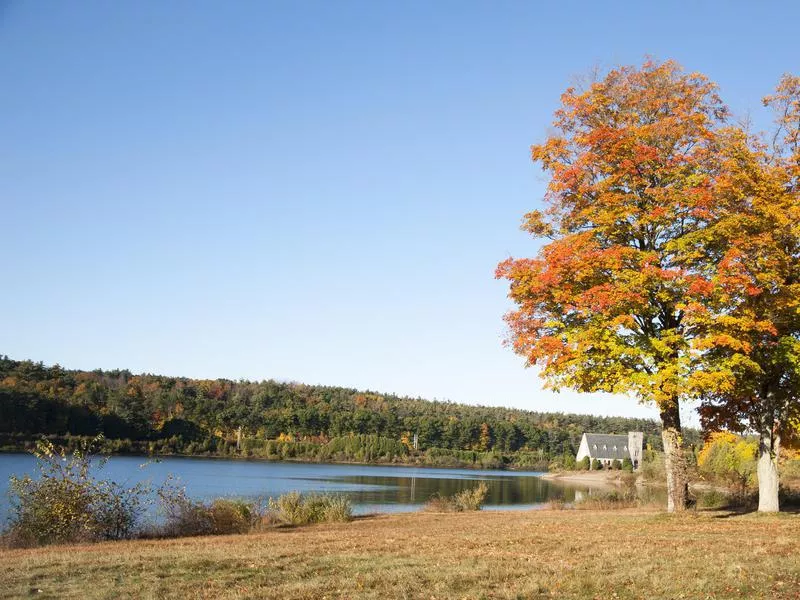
x=531 y=554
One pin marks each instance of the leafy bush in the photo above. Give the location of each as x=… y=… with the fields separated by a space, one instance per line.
x=584 y=464
x=569 y=461
x=183 y=516
x=289 y=508
x=232 y=516
x=186 y=517
x=562 y=462
x=295 y=509
x=627 y=465
x=465 y=500
x=616 y=465
x=66 y=503
x=596 y=465
x=337 y=509
x=472 y=499
x=730 y=459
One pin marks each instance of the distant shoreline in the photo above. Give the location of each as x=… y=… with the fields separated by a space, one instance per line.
x=240 y=458
x=605 y=478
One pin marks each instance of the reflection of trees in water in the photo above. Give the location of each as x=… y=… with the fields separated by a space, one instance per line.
x=413 y=490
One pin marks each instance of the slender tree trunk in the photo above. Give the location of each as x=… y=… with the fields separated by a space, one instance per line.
x=675 y=462
x=769 y=444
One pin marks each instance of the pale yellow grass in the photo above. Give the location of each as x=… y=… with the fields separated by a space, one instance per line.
x=532 y=554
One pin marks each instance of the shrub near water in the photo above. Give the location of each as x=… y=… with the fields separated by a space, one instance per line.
x=187 y=517
x=66 y=503
x=295 y=509
x=465 y=500
x=232 y=516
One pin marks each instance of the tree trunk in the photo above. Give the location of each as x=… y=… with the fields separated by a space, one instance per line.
x=768 y=449
x=675 y=463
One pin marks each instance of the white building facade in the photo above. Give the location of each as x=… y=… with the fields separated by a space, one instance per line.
x=608 y=448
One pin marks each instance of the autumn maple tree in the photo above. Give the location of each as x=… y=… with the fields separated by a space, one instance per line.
x=633 y=167
x=748 y=342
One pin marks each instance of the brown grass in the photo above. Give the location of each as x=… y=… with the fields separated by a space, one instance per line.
x=532 y=554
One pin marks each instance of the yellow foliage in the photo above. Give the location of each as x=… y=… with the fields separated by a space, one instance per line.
x=729 y=457
x=718 y=437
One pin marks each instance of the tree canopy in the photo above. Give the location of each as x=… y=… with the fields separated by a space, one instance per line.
x=750 y=355
x=633 y=172
x=673 y=267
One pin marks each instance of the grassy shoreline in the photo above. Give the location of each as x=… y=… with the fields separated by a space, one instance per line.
x=529 y=554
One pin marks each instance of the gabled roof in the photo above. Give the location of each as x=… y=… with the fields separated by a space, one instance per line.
x=608 y=446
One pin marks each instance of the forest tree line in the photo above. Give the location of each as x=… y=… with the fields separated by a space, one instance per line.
x=178 y=415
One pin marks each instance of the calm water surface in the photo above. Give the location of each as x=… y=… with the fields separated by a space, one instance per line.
x=370 y=488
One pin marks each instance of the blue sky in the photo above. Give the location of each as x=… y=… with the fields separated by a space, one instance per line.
x=309 y=191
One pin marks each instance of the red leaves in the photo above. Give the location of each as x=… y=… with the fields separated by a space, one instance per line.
x=699 y=286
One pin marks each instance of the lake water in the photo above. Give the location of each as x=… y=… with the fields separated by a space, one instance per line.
x=370 y=488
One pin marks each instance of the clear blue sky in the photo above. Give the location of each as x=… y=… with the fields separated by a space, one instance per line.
x=312 y=191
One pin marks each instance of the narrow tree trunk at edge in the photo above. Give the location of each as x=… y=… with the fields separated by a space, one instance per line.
x=674 y=460
x=768 y=449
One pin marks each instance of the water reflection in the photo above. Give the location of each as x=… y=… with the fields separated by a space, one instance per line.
x=370 y=488
x=504 y=490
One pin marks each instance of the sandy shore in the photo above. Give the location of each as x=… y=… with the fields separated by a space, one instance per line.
x=607 y=478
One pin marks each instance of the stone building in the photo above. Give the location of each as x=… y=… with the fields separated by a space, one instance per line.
x=608 y=448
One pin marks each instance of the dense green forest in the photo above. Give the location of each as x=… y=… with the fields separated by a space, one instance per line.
x=175 y=415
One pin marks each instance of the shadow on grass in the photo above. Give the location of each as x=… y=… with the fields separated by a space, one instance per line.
x=739 y=511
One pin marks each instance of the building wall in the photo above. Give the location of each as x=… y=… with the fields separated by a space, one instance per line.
x=635 y=447
x=583 y=450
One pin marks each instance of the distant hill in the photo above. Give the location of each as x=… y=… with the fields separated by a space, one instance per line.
x=177 y=415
